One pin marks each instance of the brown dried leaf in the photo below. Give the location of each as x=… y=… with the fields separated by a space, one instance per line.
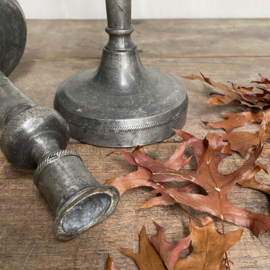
x=236 y=120
x=228 y=96
x=208 y=247
x=194 y=77
x=176 y=161
x=264 y=128
x=250 y=181
x=132 y=180
x=263 y=81
x=248 y=96
x=110 y=264
x=147 y=258
x=169 y=252
x=165 y=199
x=254 y=184
x=242 y=141
x=217 y=187
x=141 y=176
x=209 y=153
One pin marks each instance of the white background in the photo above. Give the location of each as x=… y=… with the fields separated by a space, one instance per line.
x=143 y=9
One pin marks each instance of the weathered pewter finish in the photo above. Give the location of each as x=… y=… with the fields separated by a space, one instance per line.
x=35 y=137
x=12 y=35
x=121 y=103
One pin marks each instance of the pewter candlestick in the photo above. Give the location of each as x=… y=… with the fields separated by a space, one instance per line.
x=121 y=103
x=35 y=137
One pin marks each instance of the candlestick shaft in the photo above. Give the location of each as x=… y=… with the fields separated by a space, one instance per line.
x=13 y=101
x=119 y=14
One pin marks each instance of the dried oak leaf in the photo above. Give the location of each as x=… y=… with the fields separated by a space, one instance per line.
x=132 y=180
x=242 y=141
x=217 y=187
x=147 y=258
x=229 y=93
x=209 y=153
x=264 y=128
x=263 y=81
x=236 y=120
x=110 y=264
x=164 y=199
x=249 y=181
x=141 y=176
x=253 y=97
x=169 y=252
x=208 y=247
x=208 y=177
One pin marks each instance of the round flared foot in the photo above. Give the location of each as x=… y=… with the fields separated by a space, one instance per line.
x=107 y=117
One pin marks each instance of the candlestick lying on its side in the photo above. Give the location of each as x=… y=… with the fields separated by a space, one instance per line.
x=35 y=137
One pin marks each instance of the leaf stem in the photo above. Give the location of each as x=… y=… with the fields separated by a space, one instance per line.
x=188 y=212
x=226 y=254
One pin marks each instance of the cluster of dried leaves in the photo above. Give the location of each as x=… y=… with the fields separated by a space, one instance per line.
x=157 y=253
x=209 y=246
x=252 y=97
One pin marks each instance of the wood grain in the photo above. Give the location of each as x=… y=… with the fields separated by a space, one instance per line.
x=235 y=50
x=154 y=38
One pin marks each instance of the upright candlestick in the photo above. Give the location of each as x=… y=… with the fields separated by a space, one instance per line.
x=121 y=103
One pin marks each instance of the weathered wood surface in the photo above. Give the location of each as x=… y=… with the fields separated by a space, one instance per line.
x=154 y=38
x=59 y=49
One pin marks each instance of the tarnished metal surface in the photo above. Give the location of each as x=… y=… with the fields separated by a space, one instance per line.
x=12 y=35
x=35 y=137
x=121 y=103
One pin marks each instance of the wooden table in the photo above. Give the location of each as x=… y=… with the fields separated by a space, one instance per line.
x=225 y=50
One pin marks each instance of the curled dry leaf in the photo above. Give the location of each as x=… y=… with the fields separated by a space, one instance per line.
x=254 y=184
x=142 y=175
x=217 y=187
x=251 y=182
x=248 y=96
x=264 y=81
x=132 y=180
x=209 y=152
x=208 y=245
x=169 y=252
x=147 y=258
x=176 y=161
x=242 y=141
x=264 y=128
x=236 y=120
x=229 y=94
x=165 y=199
x=110 y=264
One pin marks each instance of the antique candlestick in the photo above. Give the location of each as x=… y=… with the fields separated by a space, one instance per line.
x=121 y=103
x=36 y=137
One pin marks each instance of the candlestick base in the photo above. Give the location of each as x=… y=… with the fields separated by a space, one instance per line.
x=100 y=114
x=121 y=103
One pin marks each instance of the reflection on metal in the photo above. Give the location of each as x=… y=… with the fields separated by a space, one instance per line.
x=121 y=103
x=35 y=137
